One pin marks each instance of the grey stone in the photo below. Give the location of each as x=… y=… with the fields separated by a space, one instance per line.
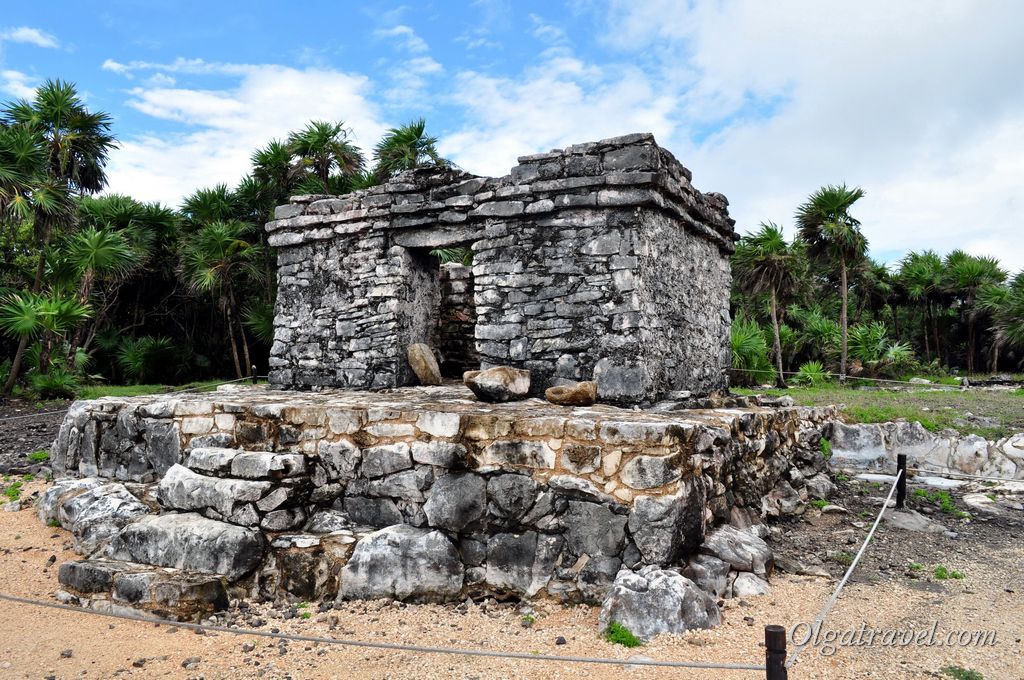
x=521 y=564
x=654 y=601
x=911 y=520
x=456 y=500
x=403 y=563
x=664 y=527
x=328 y=521
x=709 y=573
x=650 y=472
x=191 y=543
x=749 y=585
x=95 y=515
x=266 y=465
x=510 y=496
x=743 y=551
x=592 y=529
x=183 y=489
x=372 y=512
x=498 y=384
x=283 y=520
x=386 y=459
x=442 y=454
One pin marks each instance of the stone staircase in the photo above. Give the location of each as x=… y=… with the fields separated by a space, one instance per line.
x=227 y=519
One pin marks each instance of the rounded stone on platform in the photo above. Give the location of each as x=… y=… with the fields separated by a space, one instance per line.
x=575 y=394
x=424 y=364
x=498 y=384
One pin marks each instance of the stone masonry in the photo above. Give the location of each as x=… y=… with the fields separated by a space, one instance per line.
x=599 y=261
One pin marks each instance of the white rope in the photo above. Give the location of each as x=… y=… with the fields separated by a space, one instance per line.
x=962 y=475
x=389 y=646
x=846 y=577
x=929 y=385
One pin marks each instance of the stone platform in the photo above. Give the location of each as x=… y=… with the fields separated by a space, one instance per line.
x=418 y=493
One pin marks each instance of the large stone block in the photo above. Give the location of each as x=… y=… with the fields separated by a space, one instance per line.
x=403 y=563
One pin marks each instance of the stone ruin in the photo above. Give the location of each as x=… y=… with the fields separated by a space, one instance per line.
x=597 y=262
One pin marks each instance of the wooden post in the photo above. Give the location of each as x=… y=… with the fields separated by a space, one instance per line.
x=252 y=373
x=775 y=653
x=901 y=483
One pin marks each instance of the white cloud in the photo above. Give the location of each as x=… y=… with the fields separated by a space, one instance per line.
x=405 y=35
x=557 y=102
x=547 y=32
x=409 y=82
x=17 y=84
x=909 y=101
x=29 y=36
x=217 y=130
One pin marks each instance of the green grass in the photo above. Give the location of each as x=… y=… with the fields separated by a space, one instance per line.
x=39 y=456
x=98 y=391
x=826 y=448
x=935 y=409
x=961 y=673
x=916 y=566
x=943 y=573
x=941 y=499
x=618 y=634
x=13 y=490
x=819 y=503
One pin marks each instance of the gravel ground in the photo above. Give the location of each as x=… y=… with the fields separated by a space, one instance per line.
x=41 y=643
x=21 y=436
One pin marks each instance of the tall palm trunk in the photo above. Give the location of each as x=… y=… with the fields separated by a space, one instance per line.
x=970 y=344
x=935 y=331
x=231 y=334
x=777 y=341
x=19 y=356
x=84 y=293
x=845 y=293
x=241 y=332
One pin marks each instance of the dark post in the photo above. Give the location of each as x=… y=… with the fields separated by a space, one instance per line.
x=252 y=373
x=775 y=653
x=901 y=483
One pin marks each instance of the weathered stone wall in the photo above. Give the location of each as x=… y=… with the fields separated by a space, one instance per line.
x=526 y=500
x=579 y=259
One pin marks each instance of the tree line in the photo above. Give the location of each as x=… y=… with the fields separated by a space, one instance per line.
x=818 y=306
x=104 y=287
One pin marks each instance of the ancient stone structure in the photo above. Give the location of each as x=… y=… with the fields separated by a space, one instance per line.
x=599 y=261
x=312 y=495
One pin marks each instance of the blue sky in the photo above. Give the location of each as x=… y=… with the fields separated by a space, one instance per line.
x=919 y=103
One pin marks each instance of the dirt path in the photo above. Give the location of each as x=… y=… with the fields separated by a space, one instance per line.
x=36 y=641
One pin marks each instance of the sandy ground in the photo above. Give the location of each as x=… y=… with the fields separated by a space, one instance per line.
x=41 y=643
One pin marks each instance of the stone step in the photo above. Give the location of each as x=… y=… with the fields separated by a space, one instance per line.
x=271 y=505
x=190 y=542
x=112 y=585
x=257 y=465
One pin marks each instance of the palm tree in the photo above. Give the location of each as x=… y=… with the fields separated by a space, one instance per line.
x=965 y=276
x=834 y=236
x=76 y=143
x=275 y=166
x=26 y=316
x=324 y=147
x=766 y=263
x=1005 y=303
x=211 y=261
x=22 y=162
x=922 y=275
x=98 y=253
x=215 y=204
x=406 y=148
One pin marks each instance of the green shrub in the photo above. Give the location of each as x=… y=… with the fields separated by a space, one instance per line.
x=826 y=448
x=819 y=503
x=750 y=362
x=942 y=573
x=961 y=673
x=810 y=374
x=39 y=456
x=618 y=634
x=56 y=384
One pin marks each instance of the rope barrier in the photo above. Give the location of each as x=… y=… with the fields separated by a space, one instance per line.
x=386 y=646
x=962 y=475
x=929 y=385
x=846 y=577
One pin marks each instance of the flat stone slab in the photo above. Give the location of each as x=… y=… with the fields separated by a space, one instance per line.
x=170 y=593
x=190 y=542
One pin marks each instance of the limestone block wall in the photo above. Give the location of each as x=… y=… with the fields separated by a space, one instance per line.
x=533 y=498
x=596 y=261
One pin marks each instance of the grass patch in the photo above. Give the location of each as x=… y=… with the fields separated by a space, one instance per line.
x=935 y=409
x=844 y=558
x=819 y=503
x=916 y=566
x=13 y=490
x=52 y=523
x=618 y=634
x=826 y=448
x=941 y=499
x=39 y=456
x=98 y=391
x=943 y=573
x=961 y=673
